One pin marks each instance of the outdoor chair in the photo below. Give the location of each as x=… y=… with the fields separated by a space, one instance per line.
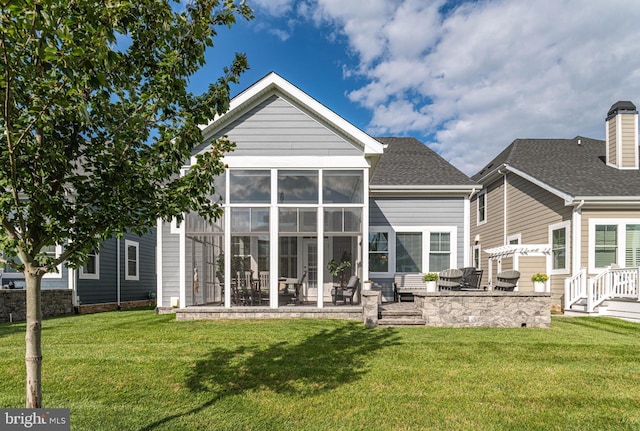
x=471 y=278
x=450 y=279
x=347 y=292
x=507 y=280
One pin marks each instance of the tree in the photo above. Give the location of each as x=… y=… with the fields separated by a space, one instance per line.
x=97 y=122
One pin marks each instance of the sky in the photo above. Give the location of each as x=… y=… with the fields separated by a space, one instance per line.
x=466 y=78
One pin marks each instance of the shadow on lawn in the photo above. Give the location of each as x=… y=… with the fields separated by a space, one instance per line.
x=319 y=363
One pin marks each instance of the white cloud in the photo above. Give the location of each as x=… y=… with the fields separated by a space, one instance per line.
x=485 y=72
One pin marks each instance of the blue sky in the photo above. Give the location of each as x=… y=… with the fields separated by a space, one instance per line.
x=464 y=77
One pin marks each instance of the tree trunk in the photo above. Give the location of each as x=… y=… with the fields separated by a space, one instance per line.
x=33 y=357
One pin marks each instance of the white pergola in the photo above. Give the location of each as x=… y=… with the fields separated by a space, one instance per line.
x=516 y=251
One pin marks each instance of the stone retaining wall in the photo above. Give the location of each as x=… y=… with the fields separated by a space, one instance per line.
x=495 y=309
x=13 y=304
x=113 y=306
x=202 y=312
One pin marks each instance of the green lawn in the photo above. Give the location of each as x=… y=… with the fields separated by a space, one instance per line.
x=134 y=370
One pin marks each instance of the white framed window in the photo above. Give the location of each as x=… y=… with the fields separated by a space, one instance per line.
x=132 y=260
x=515 y=239
x=476 y=256
x=53 y=251
x=412 y=249
x=482 y=207
x=91 y=269
x=560 y=240
x=613 y=242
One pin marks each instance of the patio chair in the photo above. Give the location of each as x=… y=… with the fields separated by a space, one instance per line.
x=450 y=279
x=507 y=280
x=471 y=278
x=351 y=289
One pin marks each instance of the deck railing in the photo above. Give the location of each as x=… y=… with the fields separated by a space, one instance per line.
x=575 y=288
x=611 y=283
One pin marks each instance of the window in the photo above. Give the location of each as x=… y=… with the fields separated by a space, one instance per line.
x=249 y=186
x=559 y=240
x=515 y=239
x=439 y=251
x=606 y=249
x=378 y=251
x=132 y=258
x=343 y=220
x=342 y=187
x=632 y=246
x=409 y=252
x=53 y=251
x=91 y=269
x=476 y=257
x=299 y=187
x=482 y=207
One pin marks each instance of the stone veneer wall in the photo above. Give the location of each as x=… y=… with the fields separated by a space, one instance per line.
x=13 y=304
x=493 y=308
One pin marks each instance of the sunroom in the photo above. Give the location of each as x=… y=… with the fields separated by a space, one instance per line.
x=280 y=229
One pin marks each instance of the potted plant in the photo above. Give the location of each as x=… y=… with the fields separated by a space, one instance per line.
x=367 y=285
x=338 y=270
x=431 y=280
x=539 y=281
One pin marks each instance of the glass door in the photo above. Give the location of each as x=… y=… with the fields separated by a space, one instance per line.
x=310 y=264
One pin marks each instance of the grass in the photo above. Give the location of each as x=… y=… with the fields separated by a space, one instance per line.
x=134 y=370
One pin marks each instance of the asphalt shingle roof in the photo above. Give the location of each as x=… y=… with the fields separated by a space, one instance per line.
x=408 y=162
x=575 y=166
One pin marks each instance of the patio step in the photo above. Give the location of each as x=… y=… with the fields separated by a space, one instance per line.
x=401 y=314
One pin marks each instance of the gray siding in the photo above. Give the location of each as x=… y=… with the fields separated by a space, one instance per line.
x=276 y=127
x=421 y=212
x=104 y=289
x=170 y=265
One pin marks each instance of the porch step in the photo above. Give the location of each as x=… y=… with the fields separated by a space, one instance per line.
x=400 y=314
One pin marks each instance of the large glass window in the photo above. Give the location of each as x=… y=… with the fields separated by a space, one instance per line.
x=632 y=246
x=378 y=252
x=440 y=251
x=606 y=248
x=250 y=219
x=298 y=220
x=132 y=257
x=342 y=187
x=559 y=248
x=247 y=186
x=409 y=252
x=91 y=269
x=343 y=220
x=299 y=187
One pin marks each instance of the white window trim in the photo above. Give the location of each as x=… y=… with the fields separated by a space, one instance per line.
x=426 y=250
x=89 y=276
x=127 y=244
x=57 y=274
x=174 y=226
x=621 y=240
x=391 y=238
x=515 y=236
x=473 y=254
x=481 y=193
x=566 y=225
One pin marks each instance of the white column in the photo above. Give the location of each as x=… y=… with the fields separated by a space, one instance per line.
x=159 y=289
x=320 y=242
x=274 y=242
x=466 y=241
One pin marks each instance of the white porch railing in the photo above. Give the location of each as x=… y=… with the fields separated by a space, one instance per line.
x=611 y=283
x=575 y=288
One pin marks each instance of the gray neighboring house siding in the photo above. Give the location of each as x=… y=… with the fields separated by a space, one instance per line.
x=104 y=290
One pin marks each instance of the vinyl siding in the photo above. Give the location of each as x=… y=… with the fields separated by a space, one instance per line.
x=105 y=288
x=491 y=232
x=628 y=145
x=170 y=265
x=612 y=142
x=136 y=290
x=276 y=127
x=529 y=265
x=421 y=212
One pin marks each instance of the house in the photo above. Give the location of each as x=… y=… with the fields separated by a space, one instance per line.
x=121 y=274
x=305 y=187
x=569 y=208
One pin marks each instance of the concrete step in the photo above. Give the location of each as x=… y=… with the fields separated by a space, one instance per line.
x=400 y=313
x=401 y=322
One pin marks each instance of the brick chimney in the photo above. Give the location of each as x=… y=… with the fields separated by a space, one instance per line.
x=622 y=136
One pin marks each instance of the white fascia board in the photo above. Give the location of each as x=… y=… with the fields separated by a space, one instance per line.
x=610 y=202
x=273 y=83
x=465 y=190
x=295 y=162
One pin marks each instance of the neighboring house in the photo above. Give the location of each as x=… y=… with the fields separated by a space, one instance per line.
x=120 y=274
x=304 y=187
x=566 y=207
